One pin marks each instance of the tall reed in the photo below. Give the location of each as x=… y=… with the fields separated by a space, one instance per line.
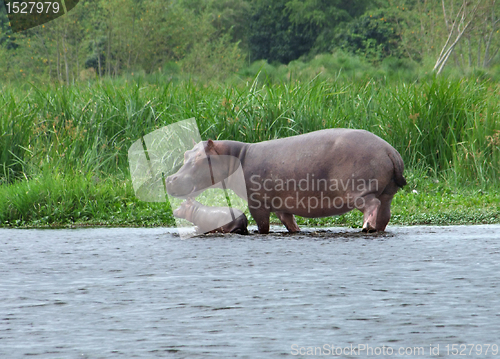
x=449 y=127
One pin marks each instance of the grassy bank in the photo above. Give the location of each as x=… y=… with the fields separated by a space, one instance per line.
x=63 y=153
x=52 y=200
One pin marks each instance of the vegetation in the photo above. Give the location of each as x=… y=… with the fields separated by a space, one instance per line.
x=64 y=158
x=76 y=92
x=213 y=39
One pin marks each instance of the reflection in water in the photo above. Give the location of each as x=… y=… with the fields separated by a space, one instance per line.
x=114 y=293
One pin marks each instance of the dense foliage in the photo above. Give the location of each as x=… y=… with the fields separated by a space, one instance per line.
x=213 y=38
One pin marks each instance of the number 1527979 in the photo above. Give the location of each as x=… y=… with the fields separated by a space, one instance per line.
x=32 y=7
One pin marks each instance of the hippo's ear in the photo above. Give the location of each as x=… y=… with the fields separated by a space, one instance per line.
x=194 y=142
x=210 y=149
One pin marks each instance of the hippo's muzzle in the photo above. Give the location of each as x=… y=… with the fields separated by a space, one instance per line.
x=178 y=186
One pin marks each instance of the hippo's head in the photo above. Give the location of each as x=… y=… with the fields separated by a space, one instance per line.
x=185 y=210
x=203 y=167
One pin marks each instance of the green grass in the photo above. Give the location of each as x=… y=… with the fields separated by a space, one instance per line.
x=63 y=150
x=53 y=200
x=56 y=200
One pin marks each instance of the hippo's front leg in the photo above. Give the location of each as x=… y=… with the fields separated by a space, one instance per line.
x=261 y=217
x=288 y=220
x=198 y=230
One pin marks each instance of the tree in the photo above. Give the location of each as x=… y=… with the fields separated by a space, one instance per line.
x=466 y=32
x=373 y=35
x=459 y=26
x=274 y=37
x=231 y=17
x=327 y=17
x=284 y=30
x=488 y=28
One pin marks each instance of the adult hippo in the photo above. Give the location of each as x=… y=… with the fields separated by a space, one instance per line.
x=318 y=174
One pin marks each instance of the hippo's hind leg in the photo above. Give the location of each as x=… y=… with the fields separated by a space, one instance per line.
x=376 y=211
x=288 y=220
x=384 y=212
x=370 y=207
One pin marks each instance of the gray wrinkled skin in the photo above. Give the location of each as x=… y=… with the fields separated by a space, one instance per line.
x=339 y=169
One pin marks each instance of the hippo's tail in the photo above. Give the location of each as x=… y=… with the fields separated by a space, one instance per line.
x=398 y=168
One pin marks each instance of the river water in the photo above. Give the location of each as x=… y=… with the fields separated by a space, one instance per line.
x=145 y=293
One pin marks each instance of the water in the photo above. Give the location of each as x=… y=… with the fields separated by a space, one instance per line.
x=145 y=293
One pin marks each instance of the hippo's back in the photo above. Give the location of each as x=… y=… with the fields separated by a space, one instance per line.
x=337 y=154
x=320 y=146
x=340 y=136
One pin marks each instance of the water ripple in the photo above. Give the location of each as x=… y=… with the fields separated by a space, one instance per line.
x=143 y=293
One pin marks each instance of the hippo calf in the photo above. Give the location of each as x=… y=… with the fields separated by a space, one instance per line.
x=318 y=174
x=212 y=219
